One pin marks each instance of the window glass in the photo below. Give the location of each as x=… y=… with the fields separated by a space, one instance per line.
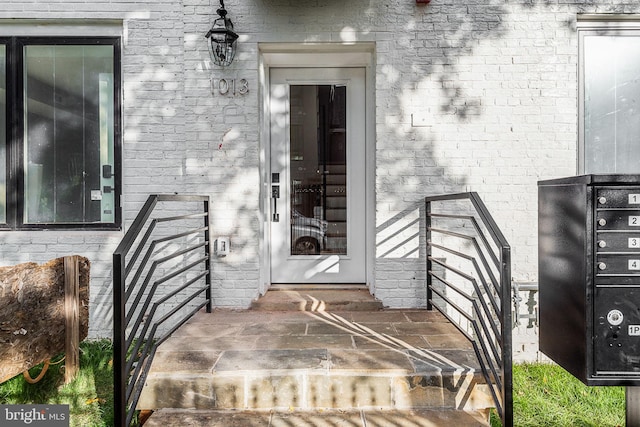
x=611 y=103
x=68 y=148
x=3 y=134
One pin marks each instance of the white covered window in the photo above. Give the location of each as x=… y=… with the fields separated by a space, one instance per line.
x=609 y=97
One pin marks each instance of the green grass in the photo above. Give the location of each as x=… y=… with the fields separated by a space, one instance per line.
x=547 y=395
x=89 y=396
x=543 y=394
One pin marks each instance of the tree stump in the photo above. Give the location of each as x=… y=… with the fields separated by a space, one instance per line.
x=32 y=313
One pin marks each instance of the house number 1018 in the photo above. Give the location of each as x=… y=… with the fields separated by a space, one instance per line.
x=230 y=87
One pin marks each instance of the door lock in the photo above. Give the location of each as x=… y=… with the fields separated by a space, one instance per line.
x=275 y=195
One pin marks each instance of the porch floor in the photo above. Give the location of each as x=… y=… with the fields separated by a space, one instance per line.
x=261 y=367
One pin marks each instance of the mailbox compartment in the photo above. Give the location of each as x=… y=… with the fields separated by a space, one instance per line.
x=618 y=197
x=617 y=331
x=589 y=274
x=619 y=242
x=617 y=264
x=618 y=219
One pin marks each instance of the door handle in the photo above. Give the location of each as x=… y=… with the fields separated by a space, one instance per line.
x=107 y=171
x=275 y=195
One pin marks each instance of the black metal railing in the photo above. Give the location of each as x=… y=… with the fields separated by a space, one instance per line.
x=469 y=282
x=161 y=278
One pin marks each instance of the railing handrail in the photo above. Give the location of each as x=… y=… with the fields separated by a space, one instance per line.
x=144 y=213
x=126 y=393
x=505 y=407
x=486 y=217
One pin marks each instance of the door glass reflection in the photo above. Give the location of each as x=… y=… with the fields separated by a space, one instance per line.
x=318 y=162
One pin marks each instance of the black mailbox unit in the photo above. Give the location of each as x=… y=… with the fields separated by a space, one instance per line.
x=589 y=276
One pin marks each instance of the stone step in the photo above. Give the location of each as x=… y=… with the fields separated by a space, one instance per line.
x=317 y=298
x=291 y=385
x=255 y=360
x=172 y=417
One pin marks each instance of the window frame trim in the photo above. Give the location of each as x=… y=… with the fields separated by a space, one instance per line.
x=9 y=134
x=15 y=130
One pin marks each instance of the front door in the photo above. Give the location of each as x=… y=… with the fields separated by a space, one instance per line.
x=317 y=208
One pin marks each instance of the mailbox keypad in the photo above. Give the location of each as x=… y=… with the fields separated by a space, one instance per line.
x=617 y=331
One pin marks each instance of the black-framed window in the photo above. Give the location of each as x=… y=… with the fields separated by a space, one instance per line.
x=609 y=97
x=60 y=132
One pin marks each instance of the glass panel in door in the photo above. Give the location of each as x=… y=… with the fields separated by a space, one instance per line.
x=318 y=159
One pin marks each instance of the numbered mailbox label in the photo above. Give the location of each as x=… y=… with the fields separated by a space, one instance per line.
x=634 y=199
x=634 y=221
x=634 y=242
x=634 y=264
x=634 y=330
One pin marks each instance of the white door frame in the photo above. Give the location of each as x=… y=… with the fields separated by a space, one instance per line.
x=316 y=55
x=350 y=265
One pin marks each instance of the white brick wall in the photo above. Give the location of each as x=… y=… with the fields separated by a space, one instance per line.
x=496 y=82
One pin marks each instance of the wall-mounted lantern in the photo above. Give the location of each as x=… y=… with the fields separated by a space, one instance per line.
x=222 y=38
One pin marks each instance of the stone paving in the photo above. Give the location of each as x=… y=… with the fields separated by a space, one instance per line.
x=416 y=418
x=271 y=368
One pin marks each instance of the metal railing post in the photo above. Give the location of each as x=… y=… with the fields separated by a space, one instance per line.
x=507 y=339
x=207 y=251
x=429 y=263
x=119 y=350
